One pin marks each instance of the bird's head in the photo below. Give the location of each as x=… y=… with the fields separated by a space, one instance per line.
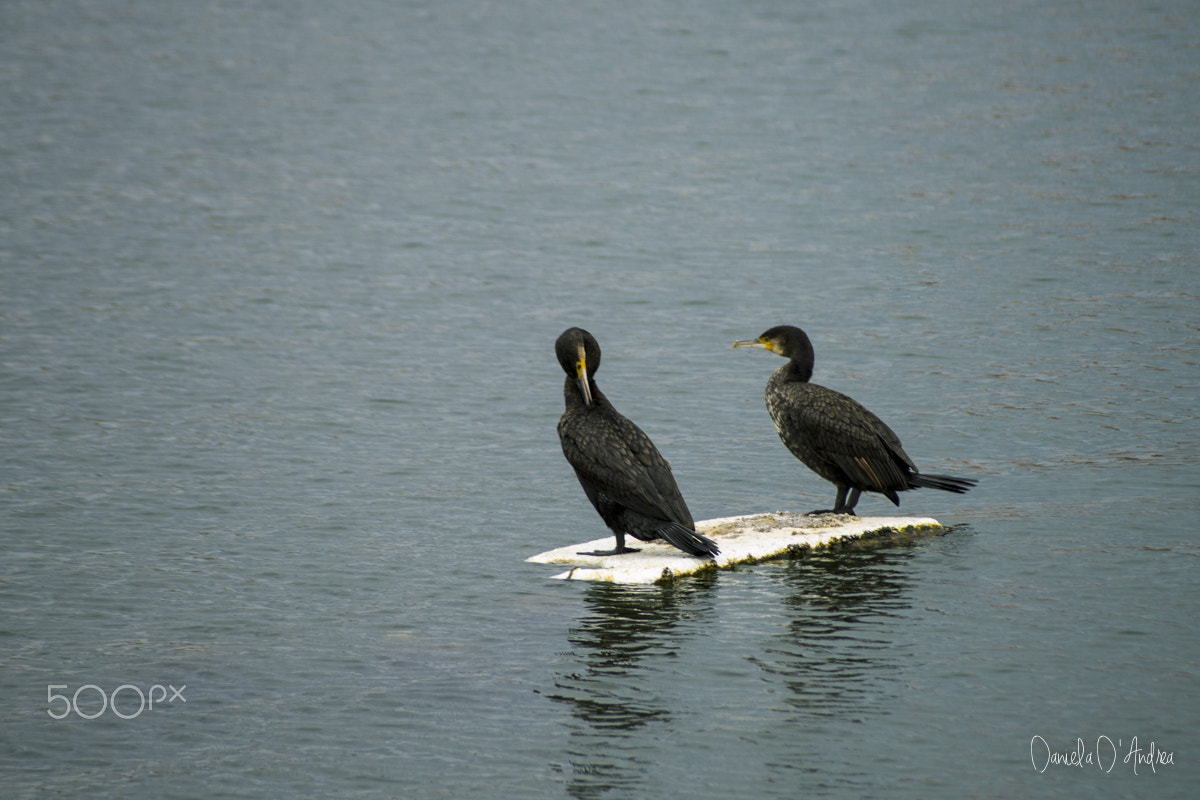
x=579 y=355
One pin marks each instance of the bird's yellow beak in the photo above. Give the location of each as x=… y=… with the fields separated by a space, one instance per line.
x=582 y=376
x=760 y=343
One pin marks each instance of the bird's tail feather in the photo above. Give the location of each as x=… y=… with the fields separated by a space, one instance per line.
x=687 y=540
x=947 y=483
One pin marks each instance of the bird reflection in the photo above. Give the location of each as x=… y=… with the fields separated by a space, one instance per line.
x=620 y=646
x=839 y=645
x=824 y=632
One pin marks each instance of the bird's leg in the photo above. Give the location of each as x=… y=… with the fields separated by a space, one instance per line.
x=620 y=548
x=848 y=507
x=839 y=505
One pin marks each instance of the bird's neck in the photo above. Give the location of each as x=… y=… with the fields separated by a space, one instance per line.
x=795 y=372
x=574 y=398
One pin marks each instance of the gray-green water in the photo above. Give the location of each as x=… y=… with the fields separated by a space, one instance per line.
x=279 y=286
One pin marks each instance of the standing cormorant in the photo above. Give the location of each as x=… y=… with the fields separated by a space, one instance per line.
x=620 y=469
x=834 y=436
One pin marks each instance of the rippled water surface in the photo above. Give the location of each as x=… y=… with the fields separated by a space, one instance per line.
x=279 y=286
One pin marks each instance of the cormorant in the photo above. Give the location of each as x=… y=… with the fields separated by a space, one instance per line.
x=620 y=469
x=835 y=436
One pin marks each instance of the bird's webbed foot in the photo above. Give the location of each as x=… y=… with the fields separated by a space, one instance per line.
x=614 y=552
x=819 y=512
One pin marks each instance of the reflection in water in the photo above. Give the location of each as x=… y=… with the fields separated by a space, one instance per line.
x=831 y=654
x=839 y=645
x=620 y=645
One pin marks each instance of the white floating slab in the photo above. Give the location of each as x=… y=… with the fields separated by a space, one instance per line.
x=743 y=540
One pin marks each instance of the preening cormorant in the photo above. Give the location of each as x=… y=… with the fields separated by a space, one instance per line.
x=834 y=436
x=620 y=469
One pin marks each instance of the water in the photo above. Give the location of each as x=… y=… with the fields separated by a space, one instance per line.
x=280 y=285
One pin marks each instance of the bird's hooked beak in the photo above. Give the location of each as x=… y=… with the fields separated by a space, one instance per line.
x=581 y=375
x=759 y=342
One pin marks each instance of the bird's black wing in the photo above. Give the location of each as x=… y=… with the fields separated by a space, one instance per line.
x=617 y=458
x=844 y=434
